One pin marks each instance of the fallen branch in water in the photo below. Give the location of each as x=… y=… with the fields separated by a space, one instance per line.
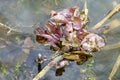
x=115 y=68
x=47 y=67
x=112 y=25
x=7 y=29
x=110 y=14
x=111 y=46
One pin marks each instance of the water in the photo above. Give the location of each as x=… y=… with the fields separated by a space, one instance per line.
x=23 y=14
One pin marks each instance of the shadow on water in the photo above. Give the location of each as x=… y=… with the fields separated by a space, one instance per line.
x=15 y=64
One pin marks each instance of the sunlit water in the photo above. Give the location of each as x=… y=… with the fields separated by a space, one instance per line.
x=23 y=14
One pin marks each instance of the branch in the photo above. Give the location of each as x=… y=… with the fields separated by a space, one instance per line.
x=112 y=12
x=115 y=67
x=47 y=67
x=112 y=25
x=111 y=46
x=7 y=29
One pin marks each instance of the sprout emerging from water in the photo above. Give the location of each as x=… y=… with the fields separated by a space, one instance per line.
x=64 y=31
x=75 y=41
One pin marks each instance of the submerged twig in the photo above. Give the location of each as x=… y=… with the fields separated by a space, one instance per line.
x=115 y=68
x=112 y=46
x=113 y=24
x=111 y=13
x=47 y=67
x=7 y=29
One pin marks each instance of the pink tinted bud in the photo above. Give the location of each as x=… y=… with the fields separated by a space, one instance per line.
x=92 y=42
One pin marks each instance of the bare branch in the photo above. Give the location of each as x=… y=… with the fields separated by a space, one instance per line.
x=112 y=25
x=47 y=67
x=112 y=46
x=115 y=68
x=111 y=13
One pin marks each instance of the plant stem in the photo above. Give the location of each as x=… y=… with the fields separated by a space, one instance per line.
x=47 y=67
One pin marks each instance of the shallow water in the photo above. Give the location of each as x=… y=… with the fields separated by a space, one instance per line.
x=23 y=14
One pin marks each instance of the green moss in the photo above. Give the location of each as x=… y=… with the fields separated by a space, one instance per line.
x=17 y=67
x=3 y=70
x=92 y=78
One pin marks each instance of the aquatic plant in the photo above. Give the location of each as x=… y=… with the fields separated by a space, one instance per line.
x=66 y=33
x=78 y=54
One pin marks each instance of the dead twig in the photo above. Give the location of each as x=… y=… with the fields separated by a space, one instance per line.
x=112 y=46
x=111 y=13
x=115 y=67
x=7 y=29
x=112 y=25
x=47 y=67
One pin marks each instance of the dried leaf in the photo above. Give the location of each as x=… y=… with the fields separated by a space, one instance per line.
x=77 y=23
x=78 y=56
x=40 y=39
x=28 y=43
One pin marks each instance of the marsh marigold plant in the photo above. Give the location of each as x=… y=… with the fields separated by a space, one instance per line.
x=65 y=31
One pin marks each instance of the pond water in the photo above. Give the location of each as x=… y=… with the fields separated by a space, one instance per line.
x=19 y=64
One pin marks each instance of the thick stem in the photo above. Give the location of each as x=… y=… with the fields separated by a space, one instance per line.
x=47 y=67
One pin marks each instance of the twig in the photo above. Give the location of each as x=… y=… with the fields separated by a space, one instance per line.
x=47 y=67
x=115 y=67
x=7 y=28
x=112 y=25
x=115 y=9
x=112 y=46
